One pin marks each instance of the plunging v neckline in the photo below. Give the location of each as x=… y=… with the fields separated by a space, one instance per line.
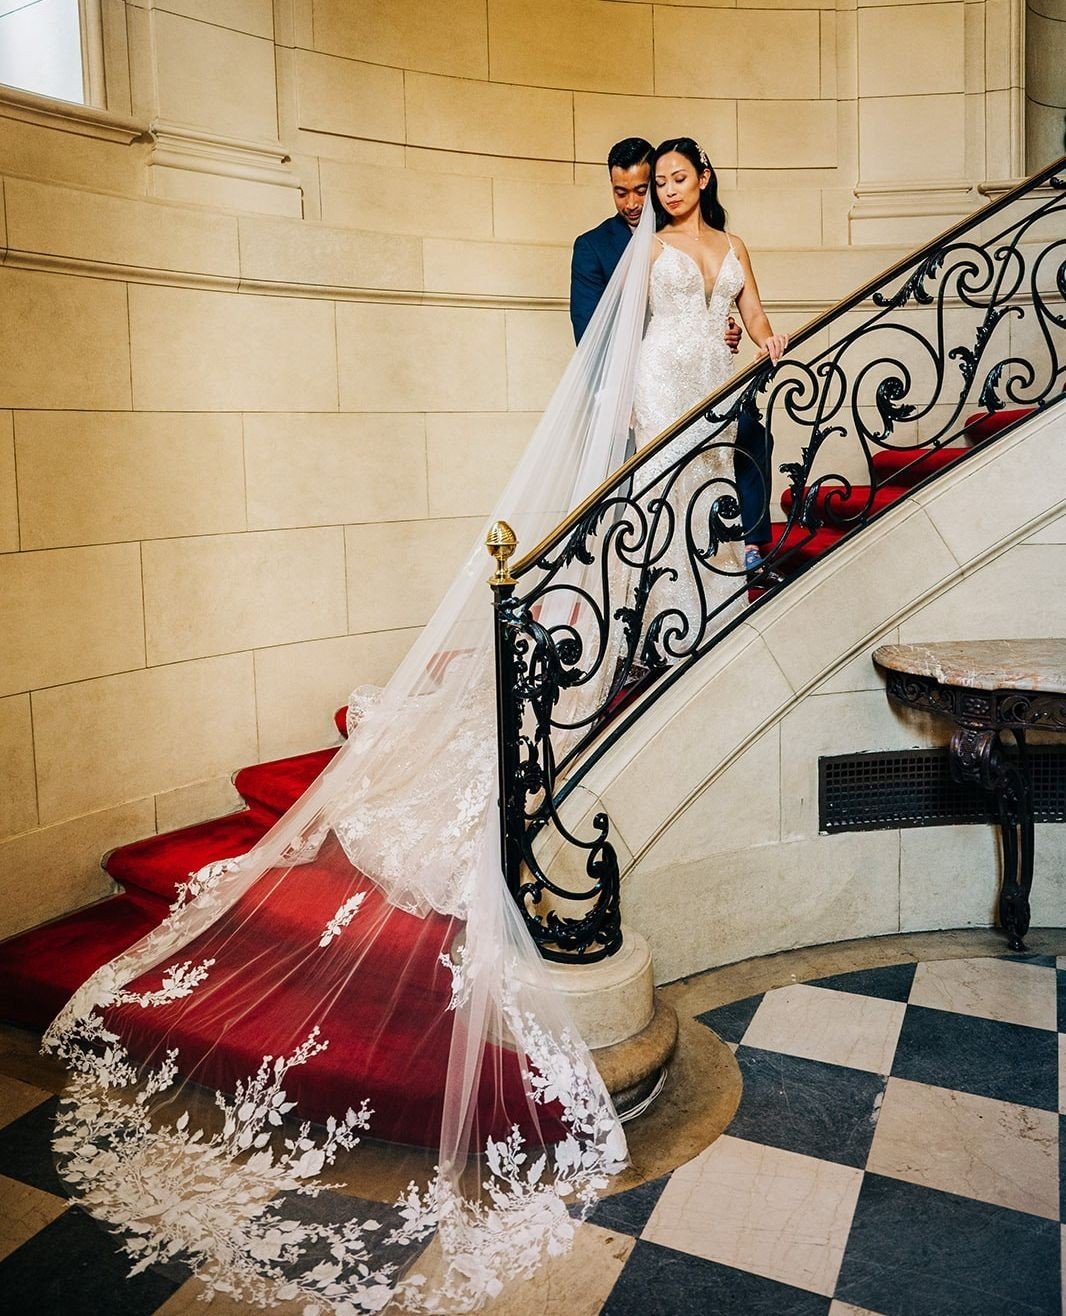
x=708 y=295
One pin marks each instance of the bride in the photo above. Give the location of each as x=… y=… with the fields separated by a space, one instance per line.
x=699 y=270
x=337 y=1074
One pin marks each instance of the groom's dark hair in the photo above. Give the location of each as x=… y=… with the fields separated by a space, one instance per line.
x=629 y=152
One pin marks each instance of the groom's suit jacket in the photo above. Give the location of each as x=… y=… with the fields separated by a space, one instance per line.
x=596 y=253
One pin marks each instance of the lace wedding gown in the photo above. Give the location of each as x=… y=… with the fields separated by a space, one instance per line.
x=683 y=358
x=364 y=974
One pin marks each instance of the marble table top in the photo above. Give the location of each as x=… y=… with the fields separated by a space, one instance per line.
x=982 y=664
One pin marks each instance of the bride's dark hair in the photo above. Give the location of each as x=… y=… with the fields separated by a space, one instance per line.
x=710 y=206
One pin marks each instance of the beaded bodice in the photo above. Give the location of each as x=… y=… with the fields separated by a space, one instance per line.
x=684 y=355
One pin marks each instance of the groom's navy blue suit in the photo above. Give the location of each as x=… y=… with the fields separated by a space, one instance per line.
x=596 y=254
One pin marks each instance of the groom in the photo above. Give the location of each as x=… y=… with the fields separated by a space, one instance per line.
x=596 y=253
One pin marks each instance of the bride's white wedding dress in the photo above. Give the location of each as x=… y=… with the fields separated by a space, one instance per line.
x=364 y=974
x=684 y=355
x=683 y=358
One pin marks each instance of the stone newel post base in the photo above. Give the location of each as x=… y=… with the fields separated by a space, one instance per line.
x=632 y=1034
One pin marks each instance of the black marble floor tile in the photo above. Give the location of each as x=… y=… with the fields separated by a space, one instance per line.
x=917 y=1252
x=26 y=1149
x=806 y=1106
x=628 y=1212
x=657 y=1281
x=1041 y=961
x=731 y=1021
x=892 y=982
x=1061 y=979
x=330 y=1208
x=73 y=1267
x=984 y=1056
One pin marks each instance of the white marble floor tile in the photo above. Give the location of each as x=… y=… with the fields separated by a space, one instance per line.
x=838 y=1308
x=24 y=1211
x=577 y=1284
x=991 y=1150
x=760 y=1209
x=840 y=1028
x=17 y=1098
x=994 y=989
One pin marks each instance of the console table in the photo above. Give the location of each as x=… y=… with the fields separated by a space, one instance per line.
x=986 y=688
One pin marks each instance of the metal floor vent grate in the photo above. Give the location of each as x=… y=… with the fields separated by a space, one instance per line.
x=913 y=788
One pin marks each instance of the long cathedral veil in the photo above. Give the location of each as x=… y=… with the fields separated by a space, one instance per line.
x=337 y=1074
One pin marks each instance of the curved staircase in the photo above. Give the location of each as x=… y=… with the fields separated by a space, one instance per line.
x=40 y=969
x=381 y=1044
x=377 y=1026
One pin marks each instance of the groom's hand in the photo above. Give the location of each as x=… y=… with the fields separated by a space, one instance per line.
x=732 y=335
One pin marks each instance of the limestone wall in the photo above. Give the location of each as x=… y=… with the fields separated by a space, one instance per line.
x=282 y=306
x=939 y=105
x=1045 y=86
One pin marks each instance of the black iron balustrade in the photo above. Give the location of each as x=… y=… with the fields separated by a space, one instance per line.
x=589 y=632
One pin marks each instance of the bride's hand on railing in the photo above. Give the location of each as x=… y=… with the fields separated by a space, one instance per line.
x=773 y=347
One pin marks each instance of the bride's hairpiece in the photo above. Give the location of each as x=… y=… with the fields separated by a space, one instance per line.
x=705 y=159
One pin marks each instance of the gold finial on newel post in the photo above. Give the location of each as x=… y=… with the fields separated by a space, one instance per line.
x=501 y=541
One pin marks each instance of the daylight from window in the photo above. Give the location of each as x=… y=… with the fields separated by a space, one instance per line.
x=40 y=47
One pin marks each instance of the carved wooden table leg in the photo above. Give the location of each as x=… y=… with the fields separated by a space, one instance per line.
x=977 y=755
x=988 y=688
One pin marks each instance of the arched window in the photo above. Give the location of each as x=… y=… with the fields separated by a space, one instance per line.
x=52 y=48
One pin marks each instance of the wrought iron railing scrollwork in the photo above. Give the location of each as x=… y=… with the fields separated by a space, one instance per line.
x=589 y=628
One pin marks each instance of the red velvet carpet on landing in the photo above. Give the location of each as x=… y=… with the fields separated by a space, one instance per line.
x=41 y=968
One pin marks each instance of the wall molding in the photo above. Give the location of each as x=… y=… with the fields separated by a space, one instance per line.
x=906 y=200
x=191 y=164
x=82 y=267
x=68 y=116
x=995 y=188
x=181 y=146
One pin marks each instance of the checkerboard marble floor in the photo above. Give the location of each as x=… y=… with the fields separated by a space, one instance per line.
x=896 y=1152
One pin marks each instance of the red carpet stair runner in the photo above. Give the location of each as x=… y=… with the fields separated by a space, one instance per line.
x=400 y=1067
x=40 y=969
x=896 y=470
